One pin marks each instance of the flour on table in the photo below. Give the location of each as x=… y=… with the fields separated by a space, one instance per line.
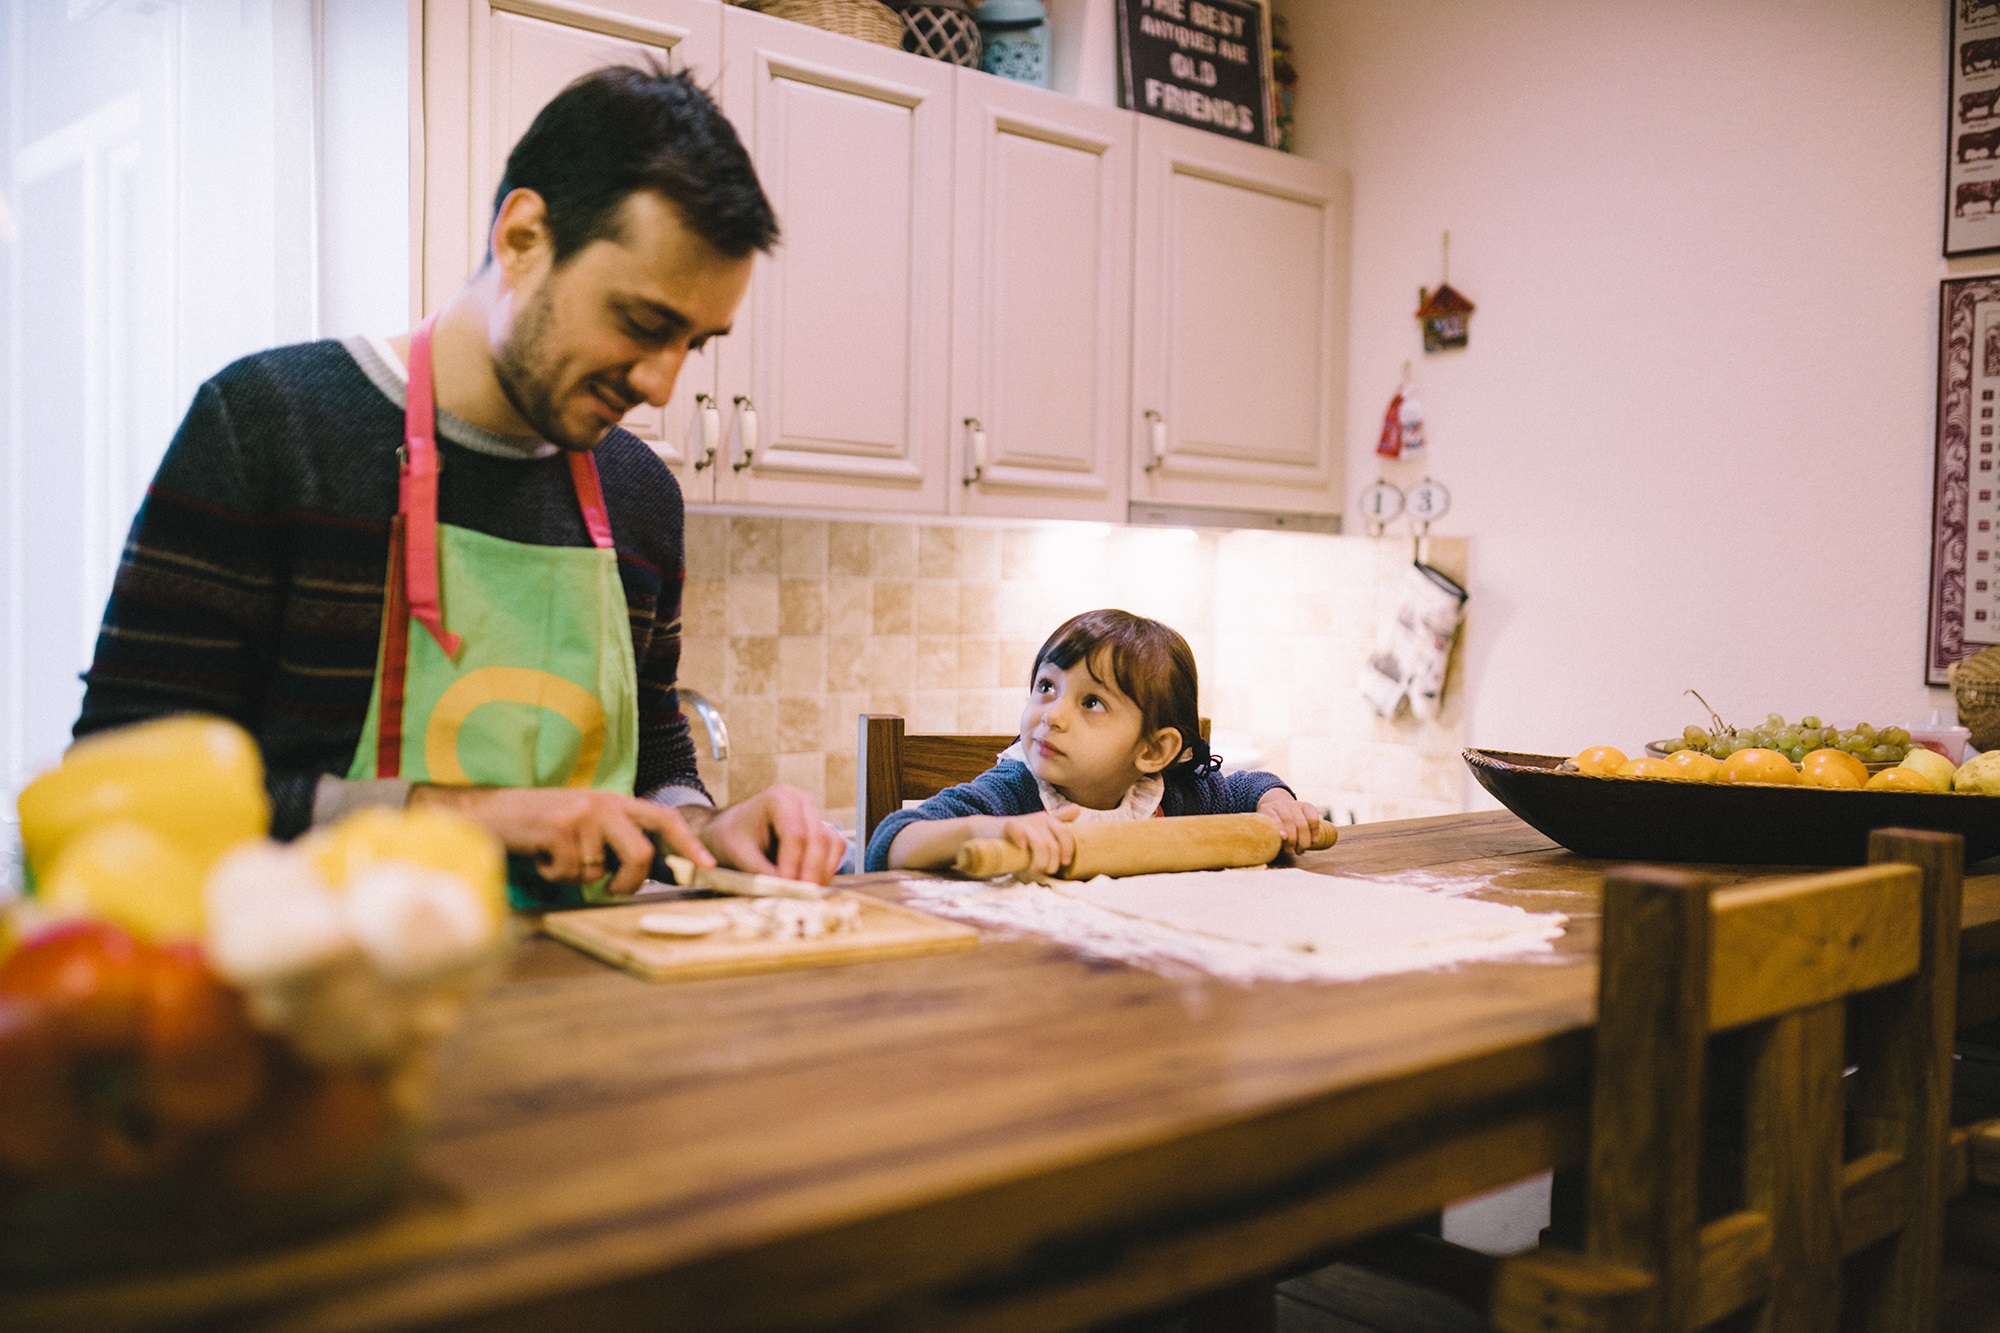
x=1250 y=925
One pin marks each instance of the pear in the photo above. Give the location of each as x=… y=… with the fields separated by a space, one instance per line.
x=1980 y=775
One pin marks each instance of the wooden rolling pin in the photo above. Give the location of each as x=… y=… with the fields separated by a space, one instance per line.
x=1147 y=847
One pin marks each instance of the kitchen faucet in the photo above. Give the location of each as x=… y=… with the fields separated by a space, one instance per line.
x=711 y=718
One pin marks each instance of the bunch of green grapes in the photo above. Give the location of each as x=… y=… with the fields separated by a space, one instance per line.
x=1796 y=740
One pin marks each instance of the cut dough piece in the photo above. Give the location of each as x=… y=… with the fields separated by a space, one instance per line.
x=791 y=918
x=686 y=925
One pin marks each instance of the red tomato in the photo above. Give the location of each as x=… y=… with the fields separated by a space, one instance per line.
x=89 y=973
x=41 y=1121
x=116 y=1055
x=204 y=1066
x=322 y=1131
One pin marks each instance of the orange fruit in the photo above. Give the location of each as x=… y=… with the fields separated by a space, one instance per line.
x=1899 y=779
x=1759 y=766
x=1833 y=768
x=1601 y=760
x=1648 y=767
x=1697 y=765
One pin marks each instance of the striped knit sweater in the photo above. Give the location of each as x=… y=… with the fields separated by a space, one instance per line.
x=252 y=582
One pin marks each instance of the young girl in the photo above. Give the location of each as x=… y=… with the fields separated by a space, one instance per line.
x=1110 y=731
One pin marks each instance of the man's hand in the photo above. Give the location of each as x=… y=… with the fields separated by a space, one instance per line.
x=776 y=832
x=568 y=830
x=1050 y=840
x=1298 y=821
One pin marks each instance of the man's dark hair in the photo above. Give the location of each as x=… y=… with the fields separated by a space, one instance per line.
x=622 y=129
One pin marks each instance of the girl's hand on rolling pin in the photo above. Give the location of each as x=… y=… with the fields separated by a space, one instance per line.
x=1047 y=837
x=1298 y=821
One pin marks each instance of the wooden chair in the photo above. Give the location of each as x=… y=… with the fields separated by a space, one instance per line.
x=1725 y=1018
x=893 y=766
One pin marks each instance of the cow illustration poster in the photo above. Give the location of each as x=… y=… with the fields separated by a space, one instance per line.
x=1965 y=537
x=1972 y=135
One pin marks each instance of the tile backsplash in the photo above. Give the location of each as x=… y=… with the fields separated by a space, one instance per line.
x=796 y=626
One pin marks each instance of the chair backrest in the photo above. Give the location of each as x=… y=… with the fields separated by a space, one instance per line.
x=1725 y=1019
x=893 y=766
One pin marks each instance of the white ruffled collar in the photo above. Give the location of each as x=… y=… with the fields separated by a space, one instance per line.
x=1140 y=801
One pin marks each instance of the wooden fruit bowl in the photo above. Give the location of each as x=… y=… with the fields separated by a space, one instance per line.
x=1650 y=819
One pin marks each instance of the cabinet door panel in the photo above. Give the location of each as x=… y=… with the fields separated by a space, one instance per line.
x=1239 y=326
x=490 y=66
x=842 y=349
x=1041 y=301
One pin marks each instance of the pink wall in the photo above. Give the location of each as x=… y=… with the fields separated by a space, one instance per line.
x=1691 y=437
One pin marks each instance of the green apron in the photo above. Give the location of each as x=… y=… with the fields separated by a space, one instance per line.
x=535 y=684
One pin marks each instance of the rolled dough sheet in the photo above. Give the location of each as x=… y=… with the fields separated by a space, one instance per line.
x=1268 y=924
x=1330 y=915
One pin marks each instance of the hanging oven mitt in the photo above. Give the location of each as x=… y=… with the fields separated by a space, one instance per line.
x=1414 y=648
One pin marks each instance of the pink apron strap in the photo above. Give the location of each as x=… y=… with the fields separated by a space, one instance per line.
x=590 y=495
x=395 y=663
x=418 y=494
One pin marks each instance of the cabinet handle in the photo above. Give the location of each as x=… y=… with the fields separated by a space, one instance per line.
x=1156 y=441
x=711 y=430
x=746 y=431
x=975 y=450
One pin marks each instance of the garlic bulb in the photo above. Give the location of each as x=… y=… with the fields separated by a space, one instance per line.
x=268 y=915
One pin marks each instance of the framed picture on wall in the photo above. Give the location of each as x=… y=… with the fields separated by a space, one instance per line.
x=1972 y=130
x=1965 y=523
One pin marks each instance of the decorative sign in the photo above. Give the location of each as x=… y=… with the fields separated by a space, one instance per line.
x=1972 y=130
x=1380 y=505
x=1965 y=536
x=1204 y=63
x=1429 y=501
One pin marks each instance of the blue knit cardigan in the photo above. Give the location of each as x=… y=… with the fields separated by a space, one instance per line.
x=1008 y=788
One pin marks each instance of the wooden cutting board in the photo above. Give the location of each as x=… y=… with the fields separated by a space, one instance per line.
x=888 y=930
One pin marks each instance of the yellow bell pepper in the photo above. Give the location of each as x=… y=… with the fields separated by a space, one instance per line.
x=433 y=839
x=196 y=781
x=131 y=876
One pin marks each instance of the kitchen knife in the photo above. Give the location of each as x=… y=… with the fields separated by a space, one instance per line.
x=741 y=883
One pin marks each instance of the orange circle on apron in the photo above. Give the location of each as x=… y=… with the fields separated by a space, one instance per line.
x=518 y=685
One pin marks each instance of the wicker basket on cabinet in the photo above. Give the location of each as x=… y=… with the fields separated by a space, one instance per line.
x=1975 y=682
x=941 y=30
x=870 y=20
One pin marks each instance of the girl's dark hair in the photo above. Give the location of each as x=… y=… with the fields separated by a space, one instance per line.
x=1151 y=663
x=622 y=129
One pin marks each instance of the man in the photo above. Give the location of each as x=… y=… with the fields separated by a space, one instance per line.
x=474 y=602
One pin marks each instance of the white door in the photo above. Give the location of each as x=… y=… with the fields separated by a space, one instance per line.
x=1239 y=324
x=835 y=379
x=158 y=219
x=489 y=67
x=1041 y=303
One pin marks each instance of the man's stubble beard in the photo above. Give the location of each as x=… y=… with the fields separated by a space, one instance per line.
x=526 y=376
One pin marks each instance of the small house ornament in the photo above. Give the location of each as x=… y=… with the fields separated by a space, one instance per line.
x=1445 y=313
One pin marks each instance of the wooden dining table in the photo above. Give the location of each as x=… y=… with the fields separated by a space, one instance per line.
x=1009 y=1138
